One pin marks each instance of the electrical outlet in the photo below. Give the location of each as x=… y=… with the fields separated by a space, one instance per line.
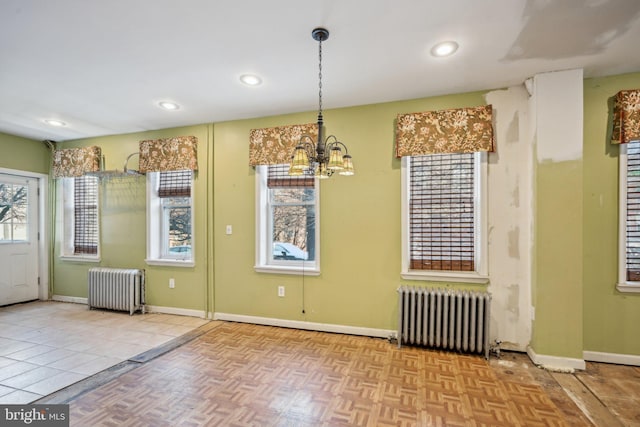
x=229 y=229
x=172 y=283
x=280 y=291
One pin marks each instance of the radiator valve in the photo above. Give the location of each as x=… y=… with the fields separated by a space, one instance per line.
x=495 y=348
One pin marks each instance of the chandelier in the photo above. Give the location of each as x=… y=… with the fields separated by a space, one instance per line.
x=324 y=157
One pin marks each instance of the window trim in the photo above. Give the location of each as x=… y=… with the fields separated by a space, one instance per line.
x=622 y=284
x=66 y=187
x=262 y=250
x=480 y=275
x=156 y=245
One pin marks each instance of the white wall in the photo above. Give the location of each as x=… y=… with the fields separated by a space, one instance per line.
x=510 y=212
x=559 y=115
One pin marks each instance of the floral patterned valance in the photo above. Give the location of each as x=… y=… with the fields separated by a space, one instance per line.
x=463 y=130
x=274 y=146
x=626 y=117
x=73 y=162
x=169 y=154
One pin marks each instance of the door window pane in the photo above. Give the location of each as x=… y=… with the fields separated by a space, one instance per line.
x=13 y=212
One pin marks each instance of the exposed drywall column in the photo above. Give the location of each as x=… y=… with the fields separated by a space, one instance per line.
x=557 y=285
x=510 y=219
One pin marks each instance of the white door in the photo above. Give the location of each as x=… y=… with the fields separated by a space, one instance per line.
x=19 y=266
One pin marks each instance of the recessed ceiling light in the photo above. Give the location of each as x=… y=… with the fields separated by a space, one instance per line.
x=167 y=105
x=444 y=49
x=250 y=79
x=54 y=122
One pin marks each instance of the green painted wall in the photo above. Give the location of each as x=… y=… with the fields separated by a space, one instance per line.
x=360 y=224
x=359 y=220
x=24 y=154
x=610 y=317
x=575 y=250
x=558 y=321
x=123 y=226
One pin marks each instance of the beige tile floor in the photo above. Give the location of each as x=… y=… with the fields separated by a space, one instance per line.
x=46 y=346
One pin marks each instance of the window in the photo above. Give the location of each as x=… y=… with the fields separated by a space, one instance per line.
x=287 y=238
x=80 y=216
x=169 y=211
x=629 y=223
x=443 y=217
x=13 y=211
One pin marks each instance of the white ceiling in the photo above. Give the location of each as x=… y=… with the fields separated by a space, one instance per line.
x=102 y=66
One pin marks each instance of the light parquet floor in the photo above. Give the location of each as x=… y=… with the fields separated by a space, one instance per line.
x=249 y=375
x=46 y=346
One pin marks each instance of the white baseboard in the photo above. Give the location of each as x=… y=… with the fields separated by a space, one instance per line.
x=175 y=310
x=149 y=308
x=556 y=363
x=64 y=298
x=311 y=326
x=618 y=359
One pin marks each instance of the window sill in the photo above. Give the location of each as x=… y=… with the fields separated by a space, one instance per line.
x=628 y=287
x=79 y=258
x=457 y=277
x=279 y=269
x=170 y=262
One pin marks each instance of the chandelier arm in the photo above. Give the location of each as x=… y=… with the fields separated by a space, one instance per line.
x=311 y=153
x=306 y=140
x=335 y=143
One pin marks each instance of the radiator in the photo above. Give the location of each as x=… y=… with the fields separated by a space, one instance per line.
x=444 y=319
x=116 y=289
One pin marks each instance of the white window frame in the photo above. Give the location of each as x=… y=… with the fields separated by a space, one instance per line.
x=66 y=187
x=264 y=243
x=480 y=275
x=623 y=285
x=158 y=228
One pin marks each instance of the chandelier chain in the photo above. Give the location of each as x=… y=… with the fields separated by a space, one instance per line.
x=320 y=77
x=320 y=157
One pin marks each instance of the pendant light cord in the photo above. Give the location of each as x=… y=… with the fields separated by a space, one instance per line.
x=303 y=300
